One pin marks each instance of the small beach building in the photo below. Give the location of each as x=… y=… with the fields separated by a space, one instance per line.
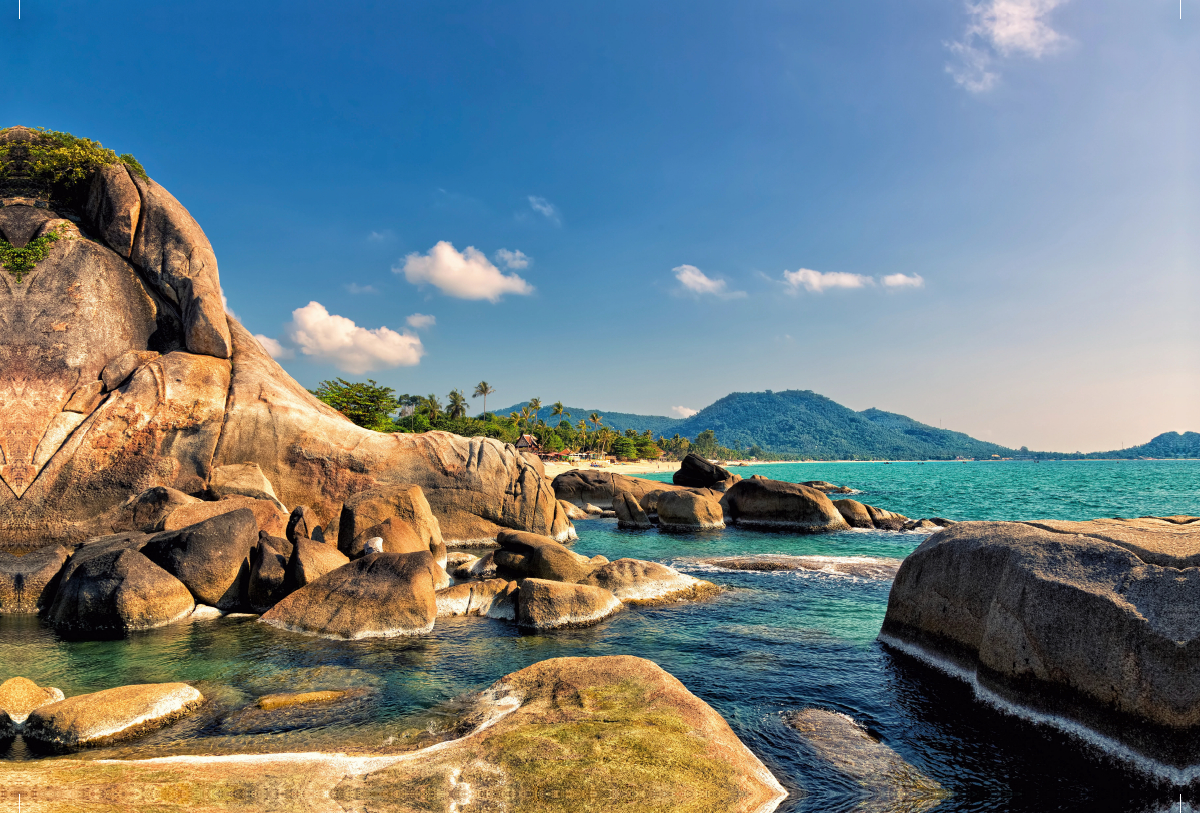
x=528 y=442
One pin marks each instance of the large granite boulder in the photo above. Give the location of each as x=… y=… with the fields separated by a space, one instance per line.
x=303 y=523
x=775 y=505
x=242 y=480
x=855 y=513
x=109 y=588
x=582 y=487
x=27 y=583
x=685 y=511
x=552 y=605
x=529 y=556
x=111 y=715
x=310 y=561
x=364 y=512
x=1093 y=622
x=629 y=512
x=268 y=516
x=634 y=581
x=493 y=598
x=121 y=372
x=212 y=557
x=696 y=472
x=381 y=595
x=268 y=583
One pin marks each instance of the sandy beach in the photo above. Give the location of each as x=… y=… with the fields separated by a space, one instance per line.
x=640 y=467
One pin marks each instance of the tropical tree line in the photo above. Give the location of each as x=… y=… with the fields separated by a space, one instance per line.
x=377 y=407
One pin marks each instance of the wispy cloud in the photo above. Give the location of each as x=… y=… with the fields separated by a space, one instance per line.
x=225 y=304
x=420 y=321
x=697 y=282
x=817 y=282
x=903 y=281
x=1001 y=28
x=684 y=412
x=325 y=336
x=274 y=348
x=545 y=208
x=381 y=236
x=355 y=288
x=511 y=259
x=466 y=275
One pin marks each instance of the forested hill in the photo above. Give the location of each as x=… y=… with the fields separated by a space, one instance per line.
x=805 y=424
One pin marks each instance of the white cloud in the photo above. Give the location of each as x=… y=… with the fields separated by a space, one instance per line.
x=546 y=209
x=684 y=412
x=355 y=288
x=381 y=236
x=696 y=281
x=512 y=259
x=352 y=349
x=1001 y=28
x=274 y=349
x=469 y=275
x=420 y=321
x=903 y=281
x=225 y=304
x=817 y=281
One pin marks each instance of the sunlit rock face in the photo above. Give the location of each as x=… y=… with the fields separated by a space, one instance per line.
x=120 y=371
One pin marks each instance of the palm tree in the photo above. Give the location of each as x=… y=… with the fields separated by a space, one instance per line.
x=458 y=405
x=482 y=388
x=596 y=419
x=432 y=407
x=535 y=406
x=557 y=411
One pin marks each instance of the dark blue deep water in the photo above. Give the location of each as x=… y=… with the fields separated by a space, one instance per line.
x=769 y=643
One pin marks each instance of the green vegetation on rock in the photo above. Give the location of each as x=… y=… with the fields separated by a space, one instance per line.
x=20 y=261
x=40 y=161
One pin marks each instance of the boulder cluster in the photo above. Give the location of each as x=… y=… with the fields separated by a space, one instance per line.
x=705 y=496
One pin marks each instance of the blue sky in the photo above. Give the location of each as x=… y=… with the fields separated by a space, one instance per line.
x=670 y=201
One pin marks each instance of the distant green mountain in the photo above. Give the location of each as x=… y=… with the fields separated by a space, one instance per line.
x=805 y=424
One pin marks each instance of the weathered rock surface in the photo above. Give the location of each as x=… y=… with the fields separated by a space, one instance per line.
x=381 y=595
x=573 y=511
x=826 y=487
x=108 y=588
x=624 y=734
x=107 y=716
x=685 y=511
x=19 y=697
x=242 y=480
x=267 y=515
x=365 y=512
x=212 y=557
x=524 y=555
x=886 y=520
x=304 y=523
x=634 y=581
x=493 y=598
x=147 y=511
x=867 y=567
x=552 y=605
x=395 y=536
x=584 y=486
x=772 y=504
x=267 y=583
x=1093 y=621
x=696 y=472
x=887 y=782
x=27 y=582
x=310 y=561
x=855 y=513
x=629 y=513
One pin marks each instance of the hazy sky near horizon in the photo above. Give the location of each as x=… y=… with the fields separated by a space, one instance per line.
x=985 y=216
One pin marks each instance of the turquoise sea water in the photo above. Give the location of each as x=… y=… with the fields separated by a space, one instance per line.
x=769 y=643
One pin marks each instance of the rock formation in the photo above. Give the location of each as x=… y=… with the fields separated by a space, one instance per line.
x=107 y=716
x=696 y=472
x=121 y=372
x=1094 y=622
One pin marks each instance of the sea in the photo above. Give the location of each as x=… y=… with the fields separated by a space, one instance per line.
x=768 y=644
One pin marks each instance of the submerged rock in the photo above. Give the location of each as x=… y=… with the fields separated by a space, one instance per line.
x=381 y=595
x=1097 y=622
x=887 y=782
x=288 y=711
x=550 y=605
x=867 y=567
x=493 y=598
x=110 y=715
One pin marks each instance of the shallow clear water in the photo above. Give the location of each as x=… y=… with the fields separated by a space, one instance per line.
x=769 y=643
